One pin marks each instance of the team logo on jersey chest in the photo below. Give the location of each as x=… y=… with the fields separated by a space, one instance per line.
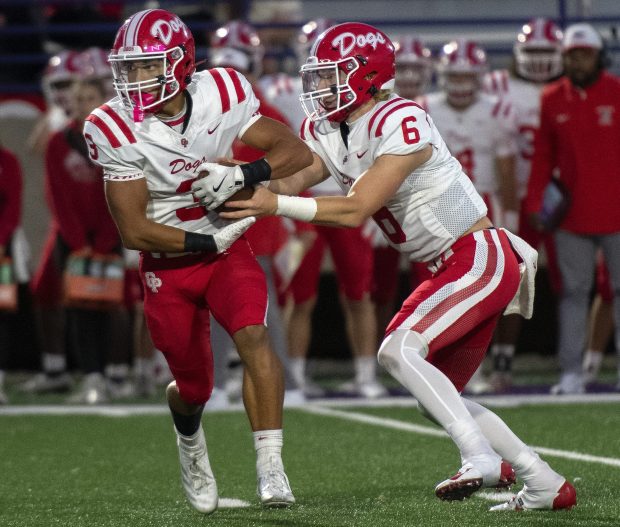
x=179 y=165
x=152 y=282
x=184 y=142
x=605 y=115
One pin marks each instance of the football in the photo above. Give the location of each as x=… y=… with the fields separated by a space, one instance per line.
x=244 y=193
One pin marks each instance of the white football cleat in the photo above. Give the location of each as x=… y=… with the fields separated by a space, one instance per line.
x=469 y=480
x=44 y=383
x=196 y=474
x=92 y=390
x=526 y=500
x=274 y=489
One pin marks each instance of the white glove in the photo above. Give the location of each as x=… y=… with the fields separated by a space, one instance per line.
x=221 y=183
x=231 y=233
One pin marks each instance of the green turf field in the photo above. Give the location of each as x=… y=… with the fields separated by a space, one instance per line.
x=94 y=470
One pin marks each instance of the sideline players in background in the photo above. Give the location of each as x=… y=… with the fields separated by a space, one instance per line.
x=152 y=145
x=537 y=60
x=480 y=133
x=351 y=254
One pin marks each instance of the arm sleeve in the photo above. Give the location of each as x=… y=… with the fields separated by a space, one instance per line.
x=542 y=162
x=406 y=130
x=11 y=185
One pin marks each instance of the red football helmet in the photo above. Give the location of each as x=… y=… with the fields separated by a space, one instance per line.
x=145 y=38
x=414 y=67
x=61 y=72
x=462 y=64
x=538 y=50
x=94 y=64
x=348 y=64
x=237 y=44
x=308 y=34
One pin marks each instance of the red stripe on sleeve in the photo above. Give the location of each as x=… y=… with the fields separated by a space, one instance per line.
x=391 y=111
x=120 y=123
x=100 y=123
x=372 y=119
x=302 y=132
x=237 y=84
x=496 y=108
x=221 y=87
x=312 y=130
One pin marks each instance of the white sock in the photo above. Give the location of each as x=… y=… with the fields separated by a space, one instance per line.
x=144 y=366
x=592 y=361
x=54 y=363
x=268 y=445
x=365 y=369
x=527 y=464
x=298 y=369
x=196 y=439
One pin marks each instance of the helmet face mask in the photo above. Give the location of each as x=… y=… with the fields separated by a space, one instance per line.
x=348 y=64
x=326 y=90
x=538 y=51
x=147 y=93
x=157 y=43
x=460 y=69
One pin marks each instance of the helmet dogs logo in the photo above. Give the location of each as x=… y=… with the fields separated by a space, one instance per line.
x=347 y=41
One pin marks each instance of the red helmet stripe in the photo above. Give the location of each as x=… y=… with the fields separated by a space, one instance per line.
x=100 y=123
x=221 y=87
x=391 y=111
x=237 y=84
x=120 y=123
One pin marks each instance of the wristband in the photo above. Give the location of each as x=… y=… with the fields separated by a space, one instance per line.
x=255 y=172
x=196 y=243
x=297 y=208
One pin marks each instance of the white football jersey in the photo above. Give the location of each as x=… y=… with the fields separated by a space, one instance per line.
x=525 y=100
x=283 y=91
x=476 y=136
x=434 y=206
x=223 y=107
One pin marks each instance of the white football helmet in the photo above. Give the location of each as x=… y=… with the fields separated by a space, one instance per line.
x=461 y=67
x=237 y=44
x=538 y=50
x=414 y=67
x=62 y=70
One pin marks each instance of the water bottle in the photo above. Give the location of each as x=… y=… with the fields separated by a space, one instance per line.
x=114 y=269
x=77 y=265
x=6 y=271
x=95 y=268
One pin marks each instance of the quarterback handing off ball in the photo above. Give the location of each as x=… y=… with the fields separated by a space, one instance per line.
x=240 y=195
x=243 y=194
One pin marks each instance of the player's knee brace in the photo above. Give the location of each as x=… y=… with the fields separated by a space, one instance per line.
x=400 y=348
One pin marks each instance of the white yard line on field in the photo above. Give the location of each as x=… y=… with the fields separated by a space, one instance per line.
x=430 y=431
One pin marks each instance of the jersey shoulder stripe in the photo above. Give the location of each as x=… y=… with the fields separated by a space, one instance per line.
x=307 y=127
x=395 y=108
x=302 y=129
x=237 y=84
x=123 y=126
x=381 y=109
x=229 y=87
x=114 y=128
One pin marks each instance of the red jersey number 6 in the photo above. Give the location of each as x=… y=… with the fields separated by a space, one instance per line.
x=410 y=132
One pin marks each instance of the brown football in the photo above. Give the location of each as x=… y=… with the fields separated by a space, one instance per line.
x=244 y=193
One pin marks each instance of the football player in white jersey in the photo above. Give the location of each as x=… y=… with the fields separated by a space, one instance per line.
x=480 y=133
x=387 y=154
x=351 y=254
x=537 y=60
x=153 y=141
